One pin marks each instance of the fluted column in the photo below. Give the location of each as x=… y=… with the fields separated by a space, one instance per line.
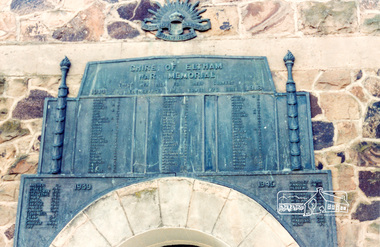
x=60 y=118
x=293 y=126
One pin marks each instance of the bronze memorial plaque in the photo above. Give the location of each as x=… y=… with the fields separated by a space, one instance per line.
x=213 y=118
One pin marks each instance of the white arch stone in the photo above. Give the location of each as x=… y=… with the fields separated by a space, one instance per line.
x=174 y=211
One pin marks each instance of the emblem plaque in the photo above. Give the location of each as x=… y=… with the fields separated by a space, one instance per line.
x=176 y=21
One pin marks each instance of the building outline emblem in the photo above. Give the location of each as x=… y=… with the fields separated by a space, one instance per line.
x=176 y=21
x=309 y=203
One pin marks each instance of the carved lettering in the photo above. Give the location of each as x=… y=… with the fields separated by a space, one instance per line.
x=35 y=205
x=98 y=140
x=169 y=148
x=298 y=185
x=143 y=68
x=239 y=135
x=82 y=187
x=54 y=206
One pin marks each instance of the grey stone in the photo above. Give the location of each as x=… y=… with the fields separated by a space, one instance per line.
x=367 y=212
x=323 y=135
x=9 y=233
x=369 y=183
x=32 y=106
x=12 y=129
x=122 y=30
x=371 y=125
x=359 y=75
x=23 y=7
x=315 y=108
x=368 y=154
x=134 y=11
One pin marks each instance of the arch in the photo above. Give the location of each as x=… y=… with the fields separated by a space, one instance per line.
x=174 y=210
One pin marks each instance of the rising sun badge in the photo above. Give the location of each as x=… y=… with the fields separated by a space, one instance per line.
x=176 y=21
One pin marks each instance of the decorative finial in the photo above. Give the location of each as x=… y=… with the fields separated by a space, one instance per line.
x=293 y=125
x=60 y=117
x=289 y=57
x=65 y=63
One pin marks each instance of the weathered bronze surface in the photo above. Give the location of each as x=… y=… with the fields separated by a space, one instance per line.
x=213 y=118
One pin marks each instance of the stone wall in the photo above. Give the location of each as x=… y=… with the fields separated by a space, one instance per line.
x=336 y=45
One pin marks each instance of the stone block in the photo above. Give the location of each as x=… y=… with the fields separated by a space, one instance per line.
x=35 y=126
x=370 y=24
x=339 y=106
x=346 y=132
x=343 y=177
x=279 y=230
x=122 y=30
x=352 y=197
x=22 y=7
x=334 y=158
x=369 y=183
x=372 y=84
x=359 y=75
x=8 y=27
x=367 y=154
x=371 y=124
x=109 y=218
x=332 y=17
x=5 y=105
x=2 y=241
x=205 y=205
x=86 y=25
x=325 y=51
x=9 y=191
x=34 y=31
x=367 y=212
x=10 y=232
x=314 y=106
x=32 y=106
x=50 y=55
x=304 y=79
x=175 y=194
x=12 y=129
x=262 y=236
x=7 y=214
x=7 y=157
x=141 y=204
x=239 y=216
x=57 y=18
x=137 y=11
x=323 y=134
x=2 y=84
x=279 y=79
x=23 y=144
x=16 y=86
x=333 y=80
x=18 y=60
x=269 y=17
x=358 y=92
x=348 y=234
x=369 y=4
x=371 y=241
x=87 y=235
x=73 y=83
x=224 y=21
x=374 y=228
x=69 y=229
x=24 y=165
